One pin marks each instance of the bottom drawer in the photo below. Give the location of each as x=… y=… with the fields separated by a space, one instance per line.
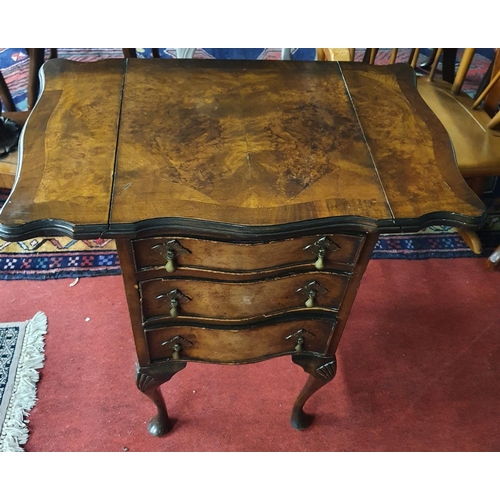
x=245 y=344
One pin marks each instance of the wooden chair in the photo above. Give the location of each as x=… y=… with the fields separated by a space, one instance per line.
x=371 y=54
x=36 y=59
x=472 y=130
x=286 y=54
x=36 y=56
x=335 y=54
x=448 y=60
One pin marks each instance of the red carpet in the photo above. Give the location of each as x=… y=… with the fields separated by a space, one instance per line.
x=419 y=370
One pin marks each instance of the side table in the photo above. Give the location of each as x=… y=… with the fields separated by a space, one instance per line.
x=245 y=197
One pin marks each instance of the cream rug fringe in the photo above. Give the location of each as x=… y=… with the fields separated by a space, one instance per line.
x=15 y=431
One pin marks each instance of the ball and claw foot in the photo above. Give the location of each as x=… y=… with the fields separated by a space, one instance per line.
x=321 y=371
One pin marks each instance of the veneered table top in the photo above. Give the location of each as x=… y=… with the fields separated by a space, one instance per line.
x=119 y=145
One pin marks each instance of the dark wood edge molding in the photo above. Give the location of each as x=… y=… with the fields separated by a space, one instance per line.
x=284 y=318
x=157 y=366
x=233 y=232
x=436 y=218
x=168 y=321
x=311 y=354
x=236 y=232
x=49 y=228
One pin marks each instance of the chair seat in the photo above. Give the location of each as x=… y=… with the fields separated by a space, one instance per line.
x=477 y=148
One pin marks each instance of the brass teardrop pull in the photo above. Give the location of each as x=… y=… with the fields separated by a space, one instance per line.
x=320 y=262
x=300 y=337
x=300 y=344
x=311 y=291
x=175 y=298
x=318 y=248
x=310 y=300
x=170 y=266
x=170 y=251
x=178 y=344
x=177 y=349
x=174 y=307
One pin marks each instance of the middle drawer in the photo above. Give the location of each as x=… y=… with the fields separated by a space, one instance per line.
x=167 y=297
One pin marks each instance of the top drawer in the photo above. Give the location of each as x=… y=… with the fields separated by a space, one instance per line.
x=337 y=251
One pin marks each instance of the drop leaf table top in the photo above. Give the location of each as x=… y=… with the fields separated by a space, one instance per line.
x=117 y=147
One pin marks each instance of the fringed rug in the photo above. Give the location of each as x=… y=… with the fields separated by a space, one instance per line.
x=21 y=355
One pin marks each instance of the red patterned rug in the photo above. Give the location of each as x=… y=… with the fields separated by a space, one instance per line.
x=419 y=365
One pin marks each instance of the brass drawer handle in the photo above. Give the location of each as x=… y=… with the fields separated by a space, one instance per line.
x=179 y=343
x=170 y=266
x=318 y=248
x=320 y=262
x=299 y=345
x=300 y=337
x=170 y=251
x=175 y=298
x=311 y=291
x=177 y=349
x=310 y=300
x=174 y=304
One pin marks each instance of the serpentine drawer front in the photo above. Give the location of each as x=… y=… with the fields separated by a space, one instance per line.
x=332 y=251
x=245 y=198
x=176 y=298
x=244 y=344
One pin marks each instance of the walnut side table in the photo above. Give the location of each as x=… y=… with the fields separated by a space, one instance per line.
x=245 y=197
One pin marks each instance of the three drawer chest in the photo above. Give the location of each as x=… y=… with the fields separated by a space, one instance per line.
x=245 y=198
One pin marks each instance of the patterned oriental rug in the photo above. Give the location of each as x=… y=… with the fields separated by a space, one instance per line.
x=59 y=257
x=21 y=355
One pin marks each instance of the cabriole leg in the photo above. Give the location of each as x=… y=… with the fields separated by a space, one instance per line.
x=321 y=371
x=148 y=382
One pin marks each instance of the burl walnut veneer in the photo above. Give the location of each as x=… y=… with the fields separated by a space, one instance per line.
x=245 y=197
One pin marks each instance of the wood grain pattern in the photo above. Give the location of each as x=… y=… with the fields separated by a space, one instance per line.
x=245 y=163
x=477 y=148
x=248 y=142
x=411 y=150
x=240 y=257
x=67 y=150
x=223 y=301
x=256 y=144
x=239 y=345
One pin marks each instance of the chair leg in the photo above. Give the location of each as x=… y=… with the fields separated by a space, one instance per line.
x=37 y=58
x=373 y=55
x=129 y=53
x=477 y=184
x=5 y=95
x=471 y=239
x=493 y=260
